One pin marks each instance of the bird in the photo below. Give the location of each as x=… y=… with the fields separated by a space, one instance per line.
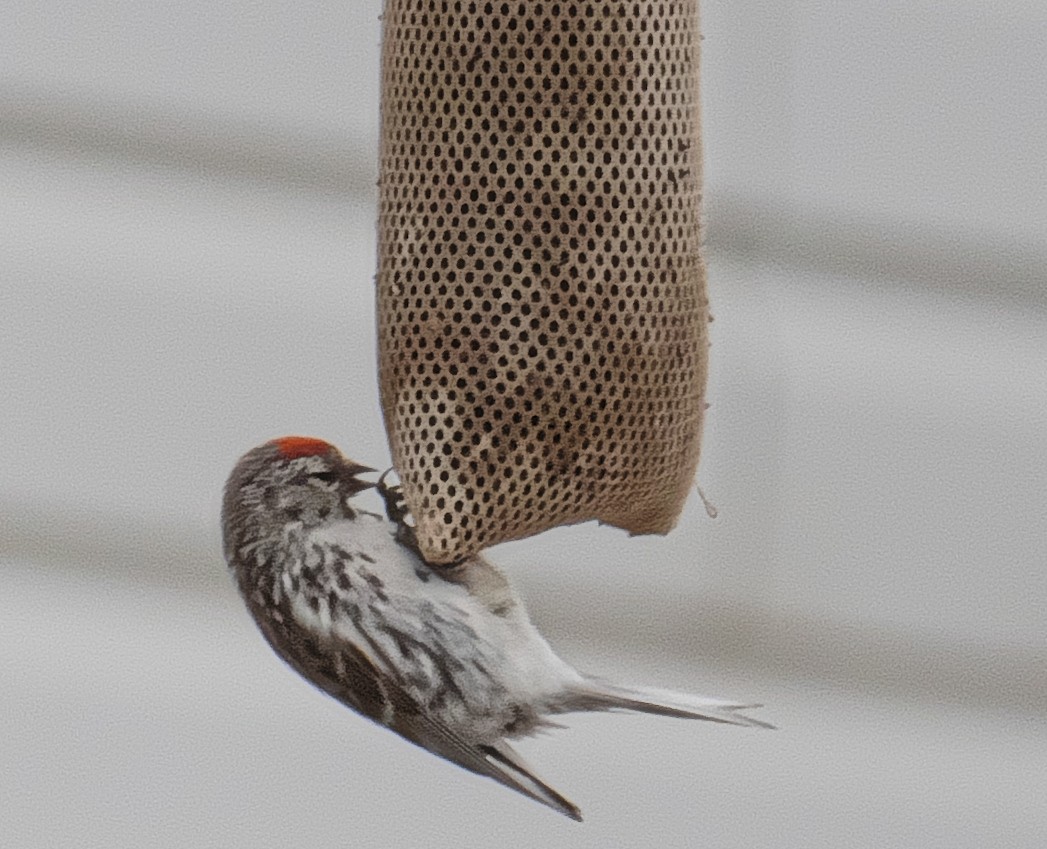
x=446 y=656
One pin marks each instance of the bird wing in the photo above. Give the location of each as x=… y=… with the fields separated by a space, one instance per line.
x=400 y=712
x=498 y=761
x=344 y=671
x=521 y=773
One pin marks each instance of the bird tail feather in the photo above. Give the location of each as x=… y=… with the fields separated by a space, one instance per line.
x=595 y=695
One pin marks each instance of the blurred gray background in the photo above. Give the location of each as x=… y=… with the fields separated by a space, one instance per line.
x=186 y=258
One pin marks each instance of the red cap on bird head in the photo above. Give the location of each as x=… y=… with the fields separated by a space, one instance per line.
x=291 y=447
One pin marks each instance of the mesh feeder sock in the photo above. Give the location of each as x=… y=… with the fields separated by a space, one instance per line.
x=541 y=288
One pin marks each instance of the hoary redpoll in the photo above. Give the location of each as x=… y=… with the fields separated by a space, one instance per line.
x=446 y=656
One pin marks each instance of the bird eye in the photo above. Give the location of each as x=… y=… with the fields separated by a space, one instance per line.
x=329 y=476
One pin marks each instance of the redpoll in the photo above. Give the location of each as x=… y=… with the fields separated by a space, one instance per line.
x=446 y=656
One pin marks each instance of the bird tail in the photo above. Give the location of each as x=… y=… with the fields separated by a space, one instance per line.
x=595 y=695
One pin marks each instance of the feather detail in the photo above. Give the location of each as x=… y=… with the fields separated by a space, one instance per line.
x=595 y=695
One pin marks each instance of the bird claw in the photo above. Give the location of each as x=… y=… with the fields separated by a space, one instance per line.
x=397 y=512
x=393 y=496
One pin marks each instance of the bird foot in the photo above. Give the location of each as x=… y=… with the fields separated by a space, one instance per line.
x=397 y=512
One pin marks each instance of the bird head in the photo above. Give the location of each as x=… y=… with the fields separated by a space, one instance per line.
x=294 y=479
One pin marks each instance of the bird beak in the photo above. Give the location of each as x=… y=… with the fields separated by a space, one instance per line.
x=352 y=482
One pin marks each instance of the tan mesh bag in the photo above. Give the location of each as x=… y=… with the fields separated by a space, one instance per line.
x=541 y=290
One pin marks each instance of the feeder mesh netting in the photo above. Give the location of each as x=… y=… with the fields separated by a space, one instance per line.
x=541 y=289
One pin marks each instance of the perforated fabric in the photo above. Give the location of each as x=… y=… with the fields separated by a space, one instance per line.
x=541 y=290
